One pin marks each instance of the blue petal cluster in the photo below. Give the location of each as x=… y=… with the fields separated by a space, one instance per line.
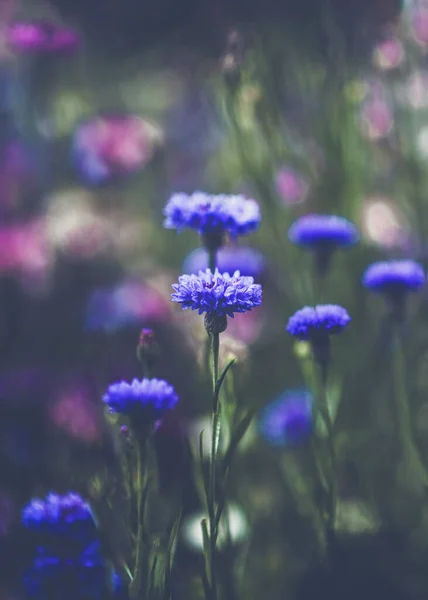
x=58 y=514
x=394 y=277
x=248 y=261
x=310 y=322
x=207 y=213
x=148 y=399
x=217 y=294
x=323 y=231
x=287 y=420
x=68 y=562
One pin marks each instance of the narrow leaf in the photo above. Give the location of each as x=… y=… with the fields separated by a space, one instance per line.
x=237 y=436
x=207 y=548
x=222 y=376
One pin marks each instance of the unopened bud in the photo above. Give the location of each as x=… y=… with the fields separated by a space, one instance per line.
x=148 y=349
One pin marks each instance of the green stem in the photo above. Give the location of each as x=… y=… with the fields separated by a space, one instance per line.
x=409 y=450
x=212 y=513
x=135 y=587
x=325 y=412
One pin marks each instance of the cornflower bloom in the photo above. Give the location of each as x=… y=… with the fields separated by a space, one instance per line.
x=315 y=324
x=395 y=279
x=218 y=295
x=323 y=234
x=212 y=216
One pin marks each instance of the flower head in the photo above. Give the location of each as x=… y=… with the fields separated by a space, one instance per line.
x=59 y=514
x=323 y=231
x=288 y=419
x=394 y=277
x=248 y=261
x=42 y=37
x=209 y=214
x=216 y=293
x=111 y=147
x=311 y=323
x=67 y=576
x=147 y=400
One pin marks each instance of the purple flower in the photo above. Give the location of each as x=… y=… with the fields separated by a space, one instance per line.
x=323 y=231
x=287 y=421
x=210 y=214
x=59 y=514
x=310 y=323
x=146 y=400
x=394 y=277
x=217 y=294
x=42 y=37
x=248 y=261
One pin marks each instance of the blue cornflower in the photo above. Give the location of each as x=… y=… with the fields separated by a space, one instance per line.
x=222 y=294
x=311 y=322
x=212 y=215
x=288 y=420
x=67 y=562
x=394 y=277
x=323 y=234
x=217 y=294
x=316 y=324
x=248 y=261
x=67 y=575
x=68 y=514
x=314 y=231
x=146 y=400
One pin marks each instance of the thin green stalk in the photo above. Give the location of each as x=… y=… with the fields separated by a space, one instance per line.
x=409 y=450
x=135 y=587
x=215 y=344
x=325 y=413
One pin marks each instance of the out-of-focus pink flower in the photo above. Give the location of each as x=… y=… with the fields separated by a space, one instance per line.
x=74 y=412
x=246 y=327
x=42 y=37
x=110 y=147
x=291 y=187
x=75 y=227
x=130 y=303
x=389 y=54
x=383 y=224
x=24 y=249
x=376 y=119
x=419 y=25
x=414 y=90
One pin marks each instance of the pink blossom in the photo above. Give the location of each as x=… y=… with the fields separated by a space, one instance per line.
x=113 y=146
x=419 y=25
x=75 y=413
x=42 y=37
x=376 y=119
x=291 y=187
x=389 y=54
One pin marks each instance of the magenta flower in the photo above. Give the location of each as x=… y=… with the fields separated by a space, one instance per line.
x=112 y=147
x=42 y=37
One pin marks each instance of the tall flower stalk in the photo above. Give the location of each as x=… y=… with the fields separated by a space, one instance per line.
x=315 y=325
x=218 y=296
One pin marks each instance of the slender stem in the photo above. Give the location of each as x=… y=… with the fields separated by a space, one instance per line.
x=325 y=412
x=403 y=421
x=135 y=587
x=212 y=260
x=212 y=513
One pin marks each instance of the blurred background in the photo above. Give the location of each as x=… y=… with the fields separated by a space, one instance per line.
x=107 y=108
